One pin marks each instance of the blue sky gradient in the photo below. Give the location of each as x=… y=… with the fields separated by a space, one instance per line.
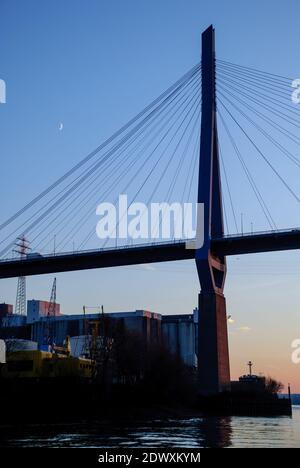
x=93 y=65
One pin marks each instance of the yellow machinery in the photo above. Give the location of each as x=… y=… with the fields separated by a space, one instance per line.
x=42 y=364
x=65 y=350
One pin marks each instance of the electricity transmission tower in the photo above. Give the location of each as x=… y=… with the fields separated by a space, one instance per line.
x=22 y=247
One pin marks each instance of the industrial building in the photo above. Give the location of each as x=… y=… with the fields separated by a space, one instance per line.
x=249 y=384
x=38 y=309
x=5 y=310
x=178 y=333
x=142 y=322
x=8 y=318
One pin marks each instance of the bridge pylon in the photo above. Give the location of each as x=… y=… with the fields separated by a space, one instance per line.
x=213 y=354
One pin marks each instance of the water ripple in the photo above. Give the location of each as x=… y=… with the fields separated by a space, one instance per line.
x=189 y=433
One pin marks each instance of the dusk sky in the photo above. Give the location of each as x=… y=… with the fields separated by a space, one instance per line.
x=75 y=72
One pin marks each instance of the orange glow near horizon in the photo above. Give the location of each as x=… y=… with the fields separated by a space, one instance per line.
x=268 y=360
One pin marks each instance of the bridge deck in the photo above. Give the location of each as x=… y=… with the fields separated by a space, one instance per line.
x=151 y=253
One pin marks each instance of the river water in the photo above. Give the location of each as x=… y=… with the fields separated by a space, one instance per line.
x=189 y=433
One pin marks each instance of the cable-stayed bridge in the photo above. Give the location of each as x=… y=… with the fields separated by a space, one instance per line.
x=217 y=108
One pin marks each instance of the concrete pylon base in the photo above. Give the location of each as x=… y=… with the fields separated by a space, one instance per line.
x=213 y=353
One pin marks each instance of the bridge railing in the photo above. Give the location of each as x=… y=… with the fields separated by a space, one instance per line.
x=34 y=256
x=259 y=233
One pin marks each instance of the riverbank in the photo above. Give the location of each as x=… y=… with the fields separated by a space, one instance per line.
x=71 y=399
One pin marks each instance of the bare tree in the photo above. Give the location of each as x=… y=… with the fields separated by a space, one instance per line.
x=273 y=386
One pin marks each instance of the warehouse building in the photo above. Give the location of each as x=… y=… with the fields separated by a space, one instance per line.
x=178 y=333
x=142 y=322
x=38 y=309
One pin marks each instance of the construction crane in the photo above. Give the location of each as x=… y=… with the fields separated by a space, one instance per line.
x=52 y=303
x=49 y=338
x=66 y=349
